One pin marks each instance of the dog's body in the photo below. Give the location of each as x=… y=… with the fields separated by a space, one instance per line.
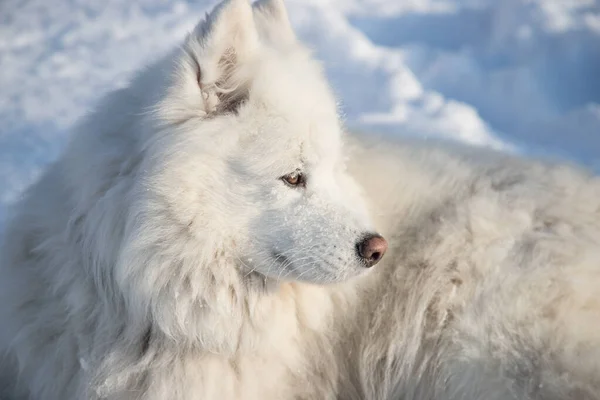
x=162 y=257
x=490 y=291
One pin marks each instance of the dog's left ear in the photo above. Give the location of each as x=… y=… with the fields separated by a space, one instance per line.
x=221 y=46
x=273 y=22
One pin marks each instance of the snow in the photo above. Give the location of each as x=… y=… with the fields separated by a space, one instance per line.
x=519 y=75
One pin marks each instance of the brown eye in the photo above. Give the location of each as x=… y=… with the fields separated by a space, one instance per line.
x=295 y=179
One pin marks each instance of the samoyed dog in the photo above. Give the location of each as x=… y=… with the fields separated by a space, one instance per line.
x=210 y=233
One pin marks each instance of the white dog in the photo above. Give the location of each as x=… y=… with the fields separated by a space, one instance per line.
x=201 y=238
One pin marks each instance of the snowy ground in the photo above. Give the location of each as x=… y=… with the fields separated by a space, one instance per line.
x=514 y=74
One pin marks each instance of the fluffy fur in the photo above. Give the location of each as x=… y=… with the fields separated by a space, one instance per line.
x=161 y=257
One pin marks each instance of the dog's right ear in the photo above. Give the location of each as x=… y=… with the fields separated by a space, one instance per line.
x=221 y=46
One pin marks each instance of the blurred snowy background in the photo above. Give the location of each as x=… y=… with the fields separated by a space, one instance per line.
x=522 y=75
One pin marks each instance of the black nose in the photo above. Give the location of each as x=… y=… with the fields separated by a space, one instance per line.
x=371 y=249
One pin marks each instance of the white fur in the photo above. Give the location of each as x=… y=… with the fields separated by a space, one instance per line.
x=162 y=257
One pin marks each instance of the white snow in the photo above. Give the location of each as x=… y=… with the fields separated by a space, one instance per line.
x=520 y=75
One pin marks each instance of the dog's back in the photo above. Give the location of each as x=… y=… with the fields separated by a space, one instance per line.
x=491 y=289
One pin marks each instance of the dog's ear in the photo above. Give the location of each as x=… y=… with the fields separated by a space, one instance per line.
x=221 y=47
x=273 y=22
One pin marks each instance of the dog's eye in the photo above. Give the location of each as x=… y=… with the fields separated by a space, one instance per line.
x=295 y=179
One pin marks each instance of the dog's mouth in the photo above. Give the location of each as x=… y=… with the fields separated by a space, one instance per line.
x=283 y=268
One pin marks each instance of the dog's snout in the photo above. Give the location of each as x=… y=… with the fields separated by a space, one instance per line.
x=371 y=249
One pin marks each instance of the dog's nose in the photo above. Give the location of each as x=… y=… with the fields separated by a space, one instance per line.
x=371 y=249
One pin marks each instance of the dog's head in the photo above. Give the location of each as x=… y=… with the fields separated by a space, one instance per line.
x=251 y=150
